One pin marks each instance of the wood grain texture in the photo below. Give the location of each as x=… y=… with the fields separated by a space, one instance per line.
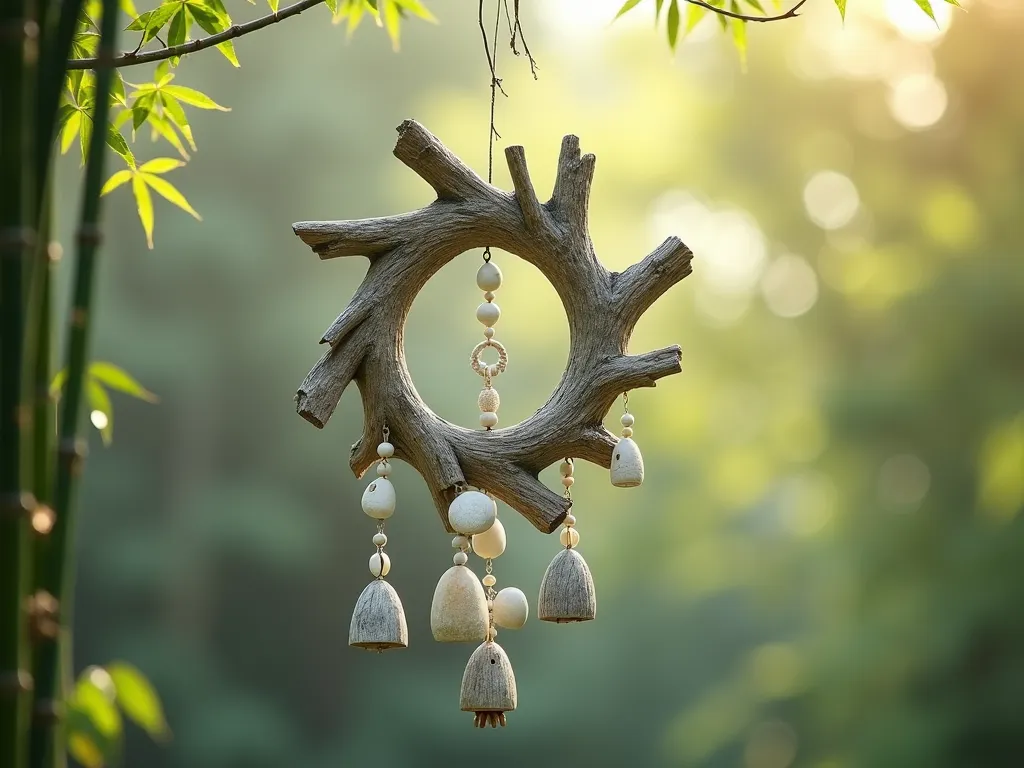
x=488 y=684
x=378 y=620
x=405 y=251
x=567 y=590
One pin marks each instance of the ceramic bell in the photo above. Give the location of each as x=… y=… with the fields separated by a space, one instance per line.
x=488 y=686
x=567 y=590
x=378 y=621
x=627 y=464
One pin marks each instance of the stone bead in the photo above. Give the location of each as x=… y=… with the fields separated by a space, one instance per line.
x=379 y=539
x=460 y=558
x=380 y=564
x=458 y=612
x=461 y=542
x=384 y=469
x=489 y=296
x=488 y=400
x=510 y=608
x=570 y=520
x=489 y=580
x=490 y=543
x=569 y=537
x=568 y=481
x=488 y=313
x=627 y=420
x=627 y=431
x=488 y=420
x=385 y=450
x=488 y=333
x=379 y=499
x=627 y=470
x=488 y=277
x=472 y=512
x=565 y=469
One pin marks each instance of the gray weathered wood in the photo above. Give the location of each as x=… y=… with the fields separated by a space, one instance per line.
x=567 y=590
x=488 y=684
x=378 y=620
x=602 y=307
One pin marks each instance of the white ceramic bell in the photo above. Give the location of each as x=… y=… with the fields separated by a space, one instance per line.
x=627 y=464
x=472 y=512
x=458 y=612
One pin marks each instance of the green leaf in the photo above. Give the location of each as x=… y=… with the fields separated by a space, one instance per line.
x=128 y=7
x=85 y=135
x=138 y=699
x=58 y=381
x=841 y=5
x=392 y=20
x=694 y=15
x=117 y=143
x=161 y=71
x=273 y=5
x=176 y=113
x=151 y=22
x=64 y=114
x=416 y=8
x=144 y=203
x=120 y=380
x=332 y=6
x=193 y=97
x=213 y=22
x=88 y=698
x=140 y=113
x=113 y=183
x=161 y=165
x=162 y=127
x=739 y=35
x=70 y=130
x=629 y=5
x=673 y=24
x=657 y=9
x=178 y=28
x=926 y=6
x=99 y=400
x=756 y=5
x=117 y=89
x=169 y=193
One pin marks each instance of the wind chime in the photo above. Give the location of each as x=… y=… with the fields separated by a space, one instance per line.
x=467 y=470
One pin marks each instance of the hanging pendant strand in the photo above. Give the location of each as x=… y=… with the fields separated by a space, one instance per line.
x=627 y=467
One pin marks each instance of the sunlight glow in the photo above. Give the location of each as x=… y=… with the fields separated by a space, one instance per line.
x=918 y=101
x=789 y=286
x=831 y=199
x=914 y=24
x=99 y=419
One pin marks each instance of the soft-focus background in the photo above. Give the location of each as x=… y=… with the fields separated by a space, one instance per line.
x=824 y=566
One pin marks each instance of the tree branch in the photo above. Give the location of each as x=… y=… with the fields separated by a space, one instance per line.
x=132 y=58
x=433 y=162
x=533 y=212
x=641 y=285
x=792 y=13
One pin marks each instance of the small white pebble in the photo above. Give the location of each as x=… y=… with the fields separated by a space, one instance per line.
x=379 y=539
x=460 y=558
x=510 y=608
x=565 y=469
x=488 y=419
x=489 y=580
x=627 y=431
x=488 y=313
x=461 y=542
x=569 y=537
x=570 y=520
x=385 y=450
x=488 y=333
x=627 y=420
x=488 y=277
x=384 y=469
x=568 y=481
x=380 y=564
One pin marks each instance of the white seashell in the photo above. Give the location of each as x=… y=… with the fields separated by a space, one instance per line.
x=511 y=608
x=627 y=464
x=379 y=499
x=380 y=564
x=490 y=543
x=472 y=512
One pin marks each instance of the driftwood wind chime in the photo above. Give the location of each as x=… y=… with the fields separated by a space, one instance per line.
x=468 y=469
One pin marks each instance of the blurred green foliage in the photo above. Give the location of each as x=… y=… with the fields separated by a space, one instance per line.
x=822 y=568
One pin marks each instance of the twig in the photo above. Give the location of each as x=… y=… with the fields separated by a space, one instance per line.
x=522 y=38
x=131 y=59
x=790 y=14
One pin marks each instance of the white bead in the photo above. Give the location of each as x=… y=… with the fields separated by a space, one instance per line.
x=627 y=431
x=460 y=558
x=379 y=539
x=488 y=333
x=570 y=520
x=488 y=420
x=510 y=608
x=489 y=580
x=569 y=537
x=489 y=296
x=627 y=469
x=380 y=564
x=490 y=543
x=627 y=420
x=460 y=542
x=568 y=481
x=488 y=277
x=472 y=512
x=488 y=400
x=488 y=313
x=385 y=450
x=383 y=469
x=565 y=469
x=379 y=499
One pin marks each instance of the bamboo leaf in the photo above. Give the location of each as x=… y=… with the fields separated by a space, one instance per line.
x=113 y=183
x=673 y=24
x=144 y=203
x=161 y=165
x=841 y=5
x=628 y=6
x=70 y=130
x=138 y=699
x=117 y=143
x=657 y=10
x=694 y=15
x=739 y=35
x=120 y=380
x=392 y=22
x=416 y=8
x=169 y=193
x=193 y=97
x=926 y=6
x=176 y=113
x=99 y=400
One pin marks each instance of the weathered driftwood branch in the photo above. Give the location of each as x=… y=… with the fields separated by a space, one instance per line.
x=602 y=308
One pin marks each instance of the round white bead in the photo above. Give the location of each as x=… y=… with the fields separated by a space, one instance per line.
x=510 y=608
x=379 y=499
x=490 y=543
x=488 y=333
x=489 y=580
x=379 y=539
x=570 y=520
x=380 y=564
x=627 y=420
x=385 y=450
x=383 y=469
x=569 y=537
x=472 y=512
x=565 y=469
x=488 y=420
x=488 y=400
x=489 y=296
x=568 y=481
x=488 y=313
x=627 y=431
x=460 y=558
x=488 y=277
x=460 y=542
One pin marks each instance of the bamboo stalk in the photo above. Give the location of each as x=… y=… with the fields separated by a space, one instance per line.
x=57 y=572
x=17 y=42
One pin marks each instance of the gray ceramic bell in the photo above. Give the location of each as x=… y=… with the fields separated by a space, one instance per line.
x=627 y=464
x=567 y=590
x=488 y=686
x=378 y=621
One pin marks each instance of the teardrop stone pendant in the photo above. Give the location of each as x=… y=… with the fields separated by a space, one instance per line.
x=458 y=613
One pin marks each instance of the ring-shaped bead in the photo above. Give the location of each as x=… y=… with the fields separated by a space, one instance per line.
x=483 y=369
